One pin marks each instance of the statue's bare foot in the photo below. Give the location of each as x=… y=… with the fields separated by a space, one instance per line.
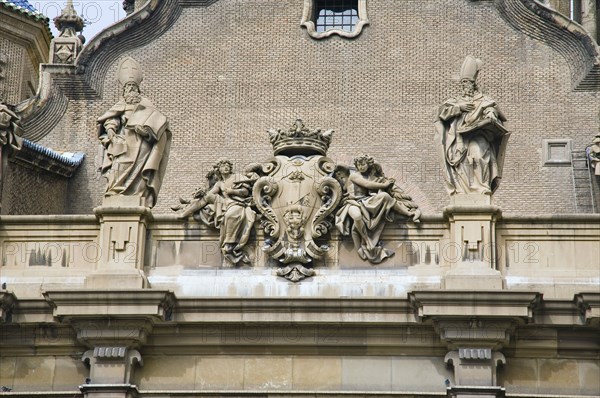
x=183 y=215
x=416 y=215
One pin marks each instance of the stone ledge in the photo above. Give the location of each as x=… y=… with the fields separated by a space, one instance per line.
x=117 y=303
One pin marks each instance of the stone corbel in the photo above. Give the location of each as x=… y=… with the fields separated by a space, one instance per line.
x=475 y=366
x=589 y=307
x=117 y=318
x=111 y=365
x=475 y=326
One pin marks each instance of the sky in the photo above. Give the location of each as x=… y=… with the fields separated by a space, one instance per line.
x=98 y=14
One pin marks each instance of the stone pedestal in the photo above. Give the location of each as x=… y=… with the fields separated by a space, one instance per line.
x=123 y=223
x=471 y=254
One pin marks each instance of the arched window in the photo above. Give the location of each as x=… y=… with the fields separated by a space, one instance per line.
x=323 y=18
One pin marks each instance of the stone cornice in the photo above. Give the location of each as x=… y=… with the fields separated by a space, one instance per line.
x=299 y=310
x=565 y=36
x=472 y=304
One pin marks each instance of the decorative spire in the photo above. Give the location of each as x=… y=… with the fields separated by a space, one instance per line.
x=68 y=22
x=65 y=48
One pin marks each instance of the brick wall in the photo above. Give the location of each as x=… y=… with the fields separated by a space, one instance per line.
x=28 y=191
x=225 y=73
x=11 y=85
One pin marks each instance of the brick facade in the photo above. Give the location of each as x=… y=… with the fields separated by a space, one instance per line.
x=225 y=73
x=32 y=191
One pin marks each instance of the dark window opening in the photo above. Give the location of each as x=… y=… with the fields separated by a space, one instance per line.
x=335 y=14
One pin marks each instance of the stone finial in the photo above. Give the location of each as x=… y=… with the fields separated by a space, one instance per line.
x=68 y=22
x=66 y=47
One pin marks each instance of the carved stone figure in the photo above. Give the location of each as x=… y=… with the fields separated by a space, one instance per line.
x=370 y=199
x=472 y=137
x=297 y=193
x=137 y=140
x=10 y=139
x=226 y=206
x=594 y=154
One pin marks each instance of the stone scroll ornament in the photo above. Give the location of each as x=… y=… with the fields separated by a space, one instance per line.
x=136 y=139
x=471 y=137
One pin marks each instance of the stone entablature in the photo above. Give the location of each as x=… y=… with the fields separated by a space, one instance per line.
x=530 y=254
x=129 y=332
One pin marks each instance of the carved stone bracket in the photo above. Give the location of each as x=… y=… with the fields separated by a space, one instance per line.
x=589 y=306
x=295 y=272
x=113 y=324
x=117 y=318
x=474 y=366
x=475 y=325
x=109 y=365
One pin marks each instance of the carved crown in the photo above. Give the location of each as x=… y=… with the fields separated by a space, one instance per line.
x=299 y=140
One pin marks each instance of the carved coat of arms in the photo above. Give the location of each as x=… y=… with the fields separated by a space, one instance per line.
x=296 y=198
x=299 y=195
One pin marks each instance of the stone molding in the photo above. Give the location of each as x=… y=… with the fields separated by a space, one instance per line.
x=473 y=304
x=68 y=304
x=305 y=310
x=568 y=38
x=96 y=319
